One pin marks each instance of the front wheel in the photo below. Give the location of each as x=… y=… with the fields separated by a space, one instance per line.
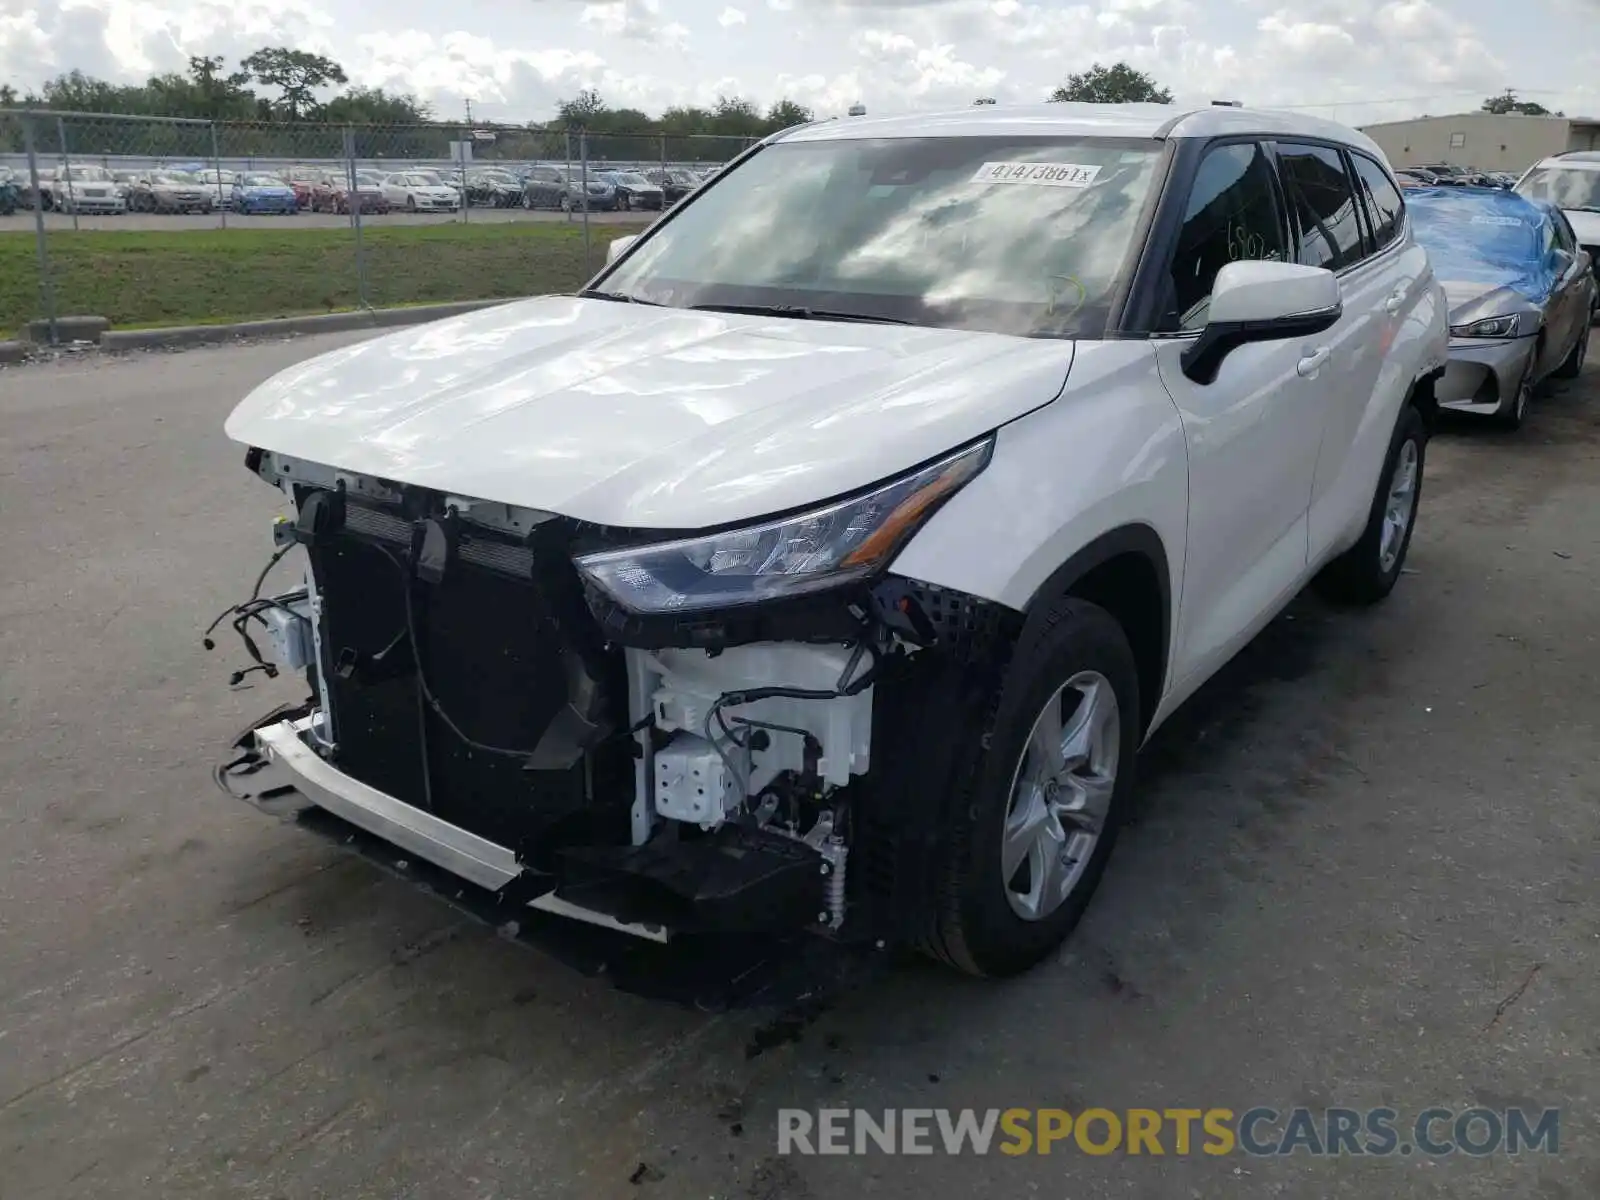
x=1573 y=363
x=1515 y=411
x=1050 y=787
x=411 y=204
x=1368 y=571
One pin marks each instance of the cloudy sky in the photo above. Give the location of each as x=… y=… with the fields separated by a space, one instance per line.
x=1374 y=59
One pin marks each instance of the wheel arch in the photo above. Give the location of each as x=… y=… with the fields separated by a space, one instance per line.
x=1125 y=571
x=1423 y=397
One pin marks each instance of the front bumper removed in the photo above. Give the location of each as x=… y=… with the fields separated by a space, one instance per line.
x=739 y=881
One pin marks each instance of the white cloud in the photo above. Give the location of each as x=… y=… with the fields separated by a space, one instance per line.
x=639 y=20
x=1435 y=55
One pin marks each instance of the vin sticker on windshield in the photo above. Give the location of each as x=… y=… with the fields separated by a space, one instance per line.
x=1070 y=175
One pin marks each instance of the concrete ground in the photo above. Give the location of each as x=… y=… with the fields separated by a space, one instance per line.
x=22 y=221
x=1363 y=874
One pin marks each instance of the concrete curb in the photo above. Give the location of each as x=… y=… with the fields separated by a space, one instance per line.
x=196 y=335
x=14 y=352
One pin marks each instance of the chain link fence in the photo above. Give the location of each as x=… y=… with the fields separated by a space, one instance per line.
x=161 y=220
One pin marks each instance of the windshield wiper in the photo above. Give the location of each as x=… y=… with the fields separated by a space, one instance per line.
x=800 y=312
x=592 y=294
x=1594 y=208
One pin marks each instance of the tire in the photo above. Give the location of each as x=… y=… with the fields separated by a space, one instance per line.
x=981 y=922
x=1573 y=363
x=1516 y=411
x=1367 y=572
x=411 y=204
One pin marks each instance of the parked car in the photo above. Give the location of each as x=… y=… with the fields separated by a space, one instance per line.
x=633 y=190
x=168 y=191
x=303 y=181
x=260 y=193
x=1571 y=182
x=555 y=187
x=81 y=188
x=218 y=183
x=420 y=191
x=1521 y=293
x=493 y=188
x=331 y=194
x=1446 y=174
x=10 y=192
x=1024 y=422
x=675 y=183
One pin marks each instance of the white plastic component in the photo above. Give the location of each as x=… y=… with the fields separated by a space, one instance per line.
x=693 y=783
x=289 y=637
x=684 y=684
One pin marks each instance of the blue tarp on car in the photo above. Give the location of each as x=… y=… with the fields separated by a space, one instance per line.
x=1484 y=235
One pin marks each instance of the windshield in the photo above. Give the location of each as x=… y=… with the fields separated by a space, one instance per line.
x=1019 y=235
x=265 y=181
x=1563 y=187
x=95 y=174
x=631 y=178
x=173 y=178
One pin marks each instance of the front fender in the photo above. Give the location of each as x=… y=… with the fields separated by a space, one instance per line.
x=1109 y=453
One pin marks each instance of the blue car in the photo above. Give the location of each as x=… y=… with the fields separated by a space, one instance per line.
x=263 y=194
x=1520 y=290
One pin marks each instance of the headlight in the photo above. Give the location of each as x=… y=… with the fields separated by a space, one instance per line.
x=808 y=552
x=1490 y=327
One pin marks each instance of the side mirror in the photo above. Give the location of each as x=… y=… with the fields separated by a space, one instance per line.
x=1262 y=302
x=619 y=247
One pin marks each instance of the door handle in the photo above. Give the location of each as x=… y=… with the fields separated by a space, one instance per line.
x=1309 y=365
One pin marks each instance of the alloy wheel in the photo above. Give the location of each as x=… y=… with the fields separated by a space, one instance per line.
x=1400 y=505
x=1060 y=795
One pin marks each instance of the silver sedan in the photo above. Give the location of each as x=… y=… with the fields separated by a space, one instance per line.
x=1520 y=290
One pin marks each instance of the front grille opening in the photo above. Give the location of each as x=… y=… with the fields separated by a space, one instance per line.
x=497 y=663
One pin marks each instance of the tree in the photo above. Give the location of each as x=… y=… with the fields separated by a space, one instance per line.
x=578 y=112
x=1116 y=84
x=297 y=74
x=786 y=113
x=374 y=106
x=735 y=116
x=1507 y=102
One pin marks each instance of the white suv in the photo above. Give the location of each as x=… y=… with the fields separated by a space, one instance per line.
x=1571 y=182
x=824 y=564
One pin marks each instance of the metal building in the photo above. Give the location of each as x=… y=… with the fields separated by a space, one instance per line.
x=1487 y=141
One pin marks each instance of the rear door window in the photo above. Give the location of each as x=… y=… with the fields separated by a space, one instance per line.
x=1385 y=209
x=1323 y=205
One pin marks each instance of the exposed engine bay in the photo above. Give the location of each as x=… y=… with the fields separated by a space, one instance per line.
x=473 y=701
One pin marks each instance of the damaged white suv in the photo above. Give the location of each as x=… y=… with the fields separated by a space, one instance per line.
x=824 y=564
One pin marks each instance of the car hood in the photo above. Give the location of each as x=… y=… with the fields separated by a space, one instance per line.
x=633 y=415
x=1586 y=225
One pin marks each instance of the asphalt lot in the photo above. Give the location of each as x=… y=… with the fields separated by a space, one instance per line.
x=1363 y=874
x=22 y=221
